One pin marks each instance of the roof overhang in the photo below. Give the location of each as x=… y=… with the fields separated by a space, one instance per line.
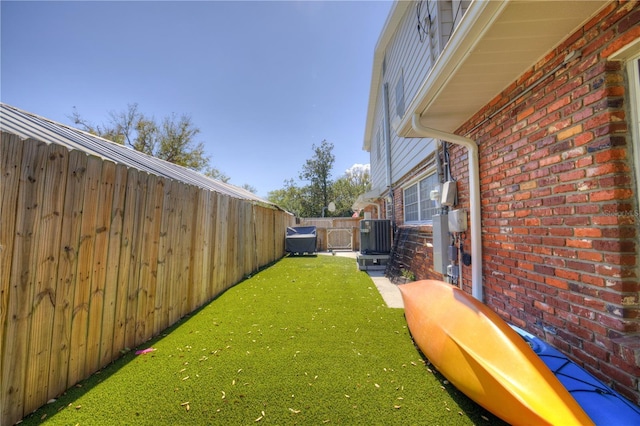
x=366 y=199
x=494 y=44
x=391 y=24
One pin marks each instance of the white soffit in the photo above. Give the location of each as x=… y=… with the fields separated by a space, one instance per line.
x=495 y=43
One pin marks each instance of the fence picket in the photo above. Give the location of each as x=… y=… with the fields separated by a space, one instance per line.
x=113 y=286
x=10 y=162
x=134 y=316
x=50 y=196
x=67 y=272
x=97 y=257
x=162 y=302
x=100 y=233
x=22 y=288
x=82 y=294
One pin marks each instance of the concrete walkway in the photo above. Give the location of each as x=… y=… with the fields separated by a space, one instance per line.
x=387 y=289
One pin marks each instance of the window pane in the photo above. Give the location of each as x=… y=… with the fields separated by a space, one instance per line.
x=411 y=204
x=428 y=207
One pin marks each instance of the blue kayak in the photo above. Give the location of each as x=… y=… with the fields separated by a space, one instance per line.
x=604 y=405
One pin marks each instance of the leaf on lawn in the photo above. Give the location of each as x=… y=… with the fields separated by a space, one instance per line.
x=185 y=378
x=397 y=407
x=185 y=403
x=294 y=411
x=224 y=395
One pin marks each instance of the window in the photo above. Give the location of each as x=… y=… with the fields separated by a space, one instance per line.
x=634 y=99
x=418 y=206
x=630 y=56
x=411 y=204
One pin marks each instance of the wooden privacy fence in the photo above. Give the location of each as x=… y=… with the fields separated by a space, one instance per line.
x=96 y=257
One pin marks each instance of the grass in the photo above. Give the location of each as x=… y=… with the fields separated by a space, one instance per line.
x=307 y=341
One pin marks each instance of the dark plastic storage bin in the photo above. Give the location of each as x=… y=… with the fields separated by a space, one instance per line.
x=301 y=239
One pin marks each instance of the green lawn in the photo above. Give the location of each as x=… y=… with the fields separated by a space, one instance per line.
x=307 y=341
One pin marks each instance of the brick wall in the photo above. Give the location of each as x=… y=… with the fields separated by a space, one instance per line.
x=412 y=243
x=558 y=202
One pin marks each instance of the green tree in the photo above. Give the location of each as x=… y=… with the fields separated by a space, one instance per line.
x=346 y=189
x=177 y=145
x=310 y=200
x=250 y=188
x=317 y=171
x=173 y=139
x=289 y=198
x=216 y=174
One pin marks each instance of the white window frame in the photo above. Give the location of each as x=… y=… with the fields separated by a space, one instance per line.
x=633 y=71
x=388 y=208
x=630 y=55
x=633 y=68
x=426 y=207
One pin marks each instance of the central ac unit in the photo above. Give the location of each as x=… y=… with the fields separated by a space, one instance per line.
x=375 y=236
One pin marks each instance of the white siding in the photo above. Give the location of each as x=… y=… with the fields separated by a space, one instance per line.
x=450 y=15
x=409 y=56
x=378 y=154
x=409 y=59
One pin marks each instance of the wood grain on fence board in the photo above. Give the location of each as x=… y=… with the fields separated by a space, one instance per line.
x=97 y=257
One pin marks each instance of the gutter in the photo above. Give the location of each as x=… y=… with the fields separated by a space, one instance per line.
x=474 y=199
x=387 y=144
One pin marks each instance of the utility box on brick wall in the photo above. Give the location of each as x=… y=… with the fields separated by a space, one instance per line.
x=441 y=242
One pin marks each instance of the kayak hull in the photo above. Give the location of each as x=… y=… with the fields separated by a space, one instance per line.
x=485 y=358
x=603 y=405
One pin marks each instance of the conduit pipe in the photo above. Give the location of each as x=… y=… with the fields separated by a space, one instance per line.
x=474 y=196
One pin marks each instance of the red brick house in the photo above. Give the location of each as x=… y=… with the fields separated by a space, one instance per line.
x=532 y=110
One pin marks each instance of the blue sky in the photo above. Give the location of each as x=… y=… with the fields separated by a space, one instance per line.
x=263 y=80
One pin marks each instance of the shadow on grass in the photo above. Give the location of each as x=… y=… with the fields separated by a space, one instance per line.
x=48 y=411
x=478 y=414
x=316 y=314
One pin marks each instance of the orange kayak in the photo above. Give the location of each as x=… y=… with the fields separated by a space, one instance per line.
x=483 y=357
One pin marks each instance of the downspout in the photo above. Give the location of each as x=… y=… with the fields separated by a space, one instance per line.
x=387 y=143
x=474 y=199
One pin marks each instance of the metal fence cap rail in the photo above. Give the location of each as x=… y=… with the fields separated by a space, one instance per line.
x=27 y=125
